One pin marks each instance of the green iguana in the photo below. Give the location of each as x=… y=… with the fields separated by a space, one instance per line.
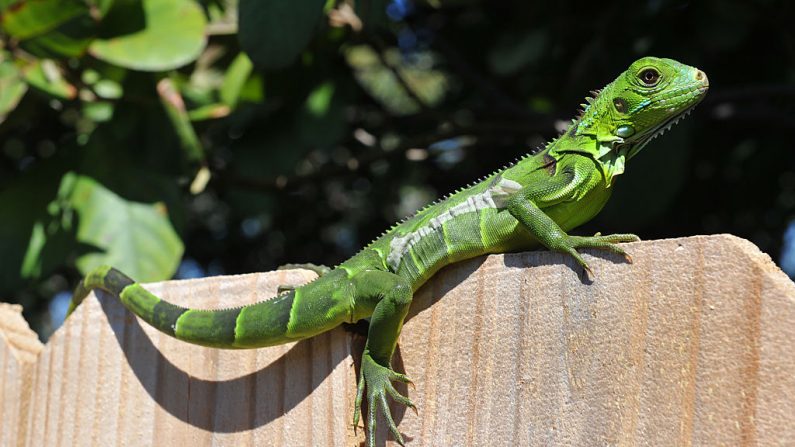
x=528 y=204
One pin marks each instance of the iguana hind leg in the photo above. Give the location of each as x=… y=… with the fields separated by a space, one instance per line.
x=389 y=295
x=319 y=269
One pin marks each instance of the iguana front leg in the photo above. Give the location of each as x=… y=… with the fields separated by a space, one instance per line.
x=389 y=295
x=524 y=206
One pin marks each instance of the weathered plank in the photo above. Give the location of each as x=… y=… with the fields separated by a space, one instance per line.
x=692 y=344
x=19 y=349
x=106 y=379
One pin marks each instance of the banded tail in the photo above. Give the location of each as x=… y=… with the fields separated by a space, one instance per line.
x=265 y=323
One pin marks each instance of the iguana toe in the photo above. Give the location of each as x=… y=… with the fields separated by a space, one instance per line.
x=377 y=380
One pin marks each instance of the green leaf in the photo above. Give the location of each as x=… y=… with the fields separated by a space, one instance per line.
x=56 y=44
x=12 y=87
x=209 y=112
x=30 y=18
x=253 y=90
x=135 y=237
x=98 y=111
x=106 y=81
x=274 y=32
x=33 y=239
x=108 y=89
x=322 y=122
x=175 y=108
x=235 y=78
x=318 y=102
x=70 y=39
x=169 y=34
x=45 y=75
x=379 y=81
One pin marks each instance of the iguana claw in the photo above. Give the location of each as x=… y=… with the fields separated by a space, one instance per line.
x=571 y=243
x=377 y=380
x=589 y=275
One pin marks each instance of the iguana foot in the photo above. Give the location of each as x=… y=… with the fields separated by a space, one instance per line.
x=571 y=243
x=319 y=269
x=377 y=379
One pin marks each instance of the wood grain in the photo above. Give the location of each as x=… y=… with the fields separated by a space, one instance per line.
x=19 y=350
x=106 y=379
x=691 y=345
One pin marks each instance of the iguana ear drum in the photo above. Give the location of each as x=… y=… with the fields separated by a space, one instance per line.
x=620 y=105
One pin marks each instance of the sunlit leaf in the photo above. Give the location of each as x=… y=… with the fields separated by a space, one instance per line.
x=234 y=79
x=98 y=111
x=12 y=86
x=171 y=34
x=135 y=237
x=208 y=112
x=46 y=76
x=108 y=89
x=175 y=108
x=274 y=32
x=317 y=104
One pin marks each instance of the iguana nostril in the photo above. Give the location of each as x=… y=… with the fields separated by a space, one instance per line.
x=701 y=76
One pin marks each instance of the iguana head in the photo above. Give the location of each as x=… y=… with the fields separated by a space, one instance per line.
x=642 y=103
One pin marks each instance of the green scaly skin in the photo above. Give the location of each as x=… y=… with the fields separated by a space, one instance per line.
x=531 y=203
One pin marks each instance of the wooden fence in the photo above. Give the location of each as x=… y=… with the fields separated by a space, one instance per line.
x=693 y=344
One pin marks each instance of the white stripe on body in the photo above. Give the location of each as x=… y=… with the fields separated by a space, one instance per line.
x=496 y=196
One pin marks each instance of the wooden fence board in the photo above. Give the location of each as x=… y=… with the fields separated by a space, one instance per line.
x=691 y=345
x=19 y=349
x=107 y=379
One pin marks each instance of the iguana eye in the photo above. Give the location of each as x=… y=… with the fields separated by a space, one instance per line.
x=649 y=76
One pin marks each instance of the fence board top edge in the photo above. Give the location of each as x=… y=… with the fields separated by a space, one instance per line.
x=27 y=346
x=15 y=333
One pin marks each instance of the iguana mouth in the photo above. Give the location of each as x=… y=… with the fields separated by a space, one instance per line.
x=667 y=124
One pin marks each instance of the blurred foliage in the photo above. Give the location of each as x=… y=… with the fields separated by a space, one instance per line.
x=205 y=137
